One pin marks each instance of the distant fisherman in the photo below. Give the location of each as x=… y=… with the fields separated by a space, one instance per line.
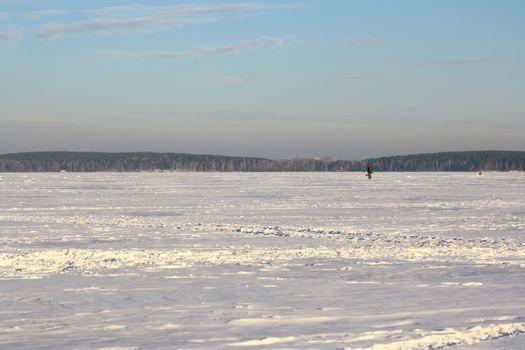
x=369 y=171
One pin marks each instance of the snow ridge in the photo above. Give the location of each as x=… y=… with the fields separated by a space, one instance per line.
x=450 y=336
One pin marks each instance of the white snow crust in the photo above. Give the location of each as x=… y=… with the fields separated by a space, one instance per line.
x=262 y=261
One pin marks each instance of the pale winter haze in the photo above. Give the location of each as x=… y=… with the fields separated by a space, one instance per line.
x=281 y=79
x=407 y=261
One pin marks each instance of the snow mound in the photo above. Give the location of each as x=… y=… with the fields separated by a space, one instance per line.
x=450 y=336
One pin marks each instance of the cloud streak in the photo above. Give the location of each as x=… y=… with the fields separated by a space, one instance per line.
x=361 y=41
x=457 y=62
x=122 y=20
x=113 y=26
x=229 y=79
x=36 y=15
x=200 y=51
x=192 y=9
x=11 y=34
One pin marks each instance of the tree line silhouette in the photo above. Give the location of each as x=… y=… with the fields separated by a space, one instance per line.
x=133 y=162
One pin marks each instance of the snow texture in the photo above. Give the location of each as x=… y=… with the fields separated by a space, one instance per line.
x=262 y=261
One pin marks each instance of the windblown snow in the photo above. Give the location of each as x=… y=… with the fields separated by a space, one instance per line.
x=262 y=261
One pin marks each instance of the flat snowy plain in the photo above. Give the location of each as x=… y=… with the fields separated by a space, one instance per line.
x=262 y=261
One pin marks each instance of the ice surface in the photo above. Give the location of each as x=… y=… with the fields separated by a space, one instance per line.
x=262 y=261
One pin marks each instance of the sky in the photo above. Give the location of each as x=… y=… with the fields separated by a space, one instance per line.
x=347 y=79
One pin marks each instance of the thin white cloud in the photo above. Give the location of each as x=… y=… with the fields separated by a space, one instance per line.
x=192 y=9
x=231 y=79
x=456 y=62
x=121 y=20
x=11 y=34
x=36 y=15
x=319 y=44
x=3 y=15
x=113 y=26
x=200 y=51
x=362 y=41
x=121 y=10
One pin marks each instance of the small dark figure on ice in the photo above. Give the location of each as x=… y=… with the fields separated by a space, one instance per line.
x=369 y=171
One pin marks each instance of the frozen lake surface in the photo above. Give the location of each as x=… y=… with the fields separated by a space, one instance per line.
x=262 y=261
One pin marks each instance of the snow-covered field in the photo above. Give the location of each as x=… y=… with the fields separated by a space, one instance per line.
x=262 y=261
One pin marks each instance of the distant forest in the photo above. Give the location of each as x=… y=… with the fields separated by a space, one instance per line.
x=133 y=162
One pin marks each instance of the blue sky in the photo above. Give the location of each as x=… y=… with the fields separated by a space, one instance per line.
x=342 y=78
